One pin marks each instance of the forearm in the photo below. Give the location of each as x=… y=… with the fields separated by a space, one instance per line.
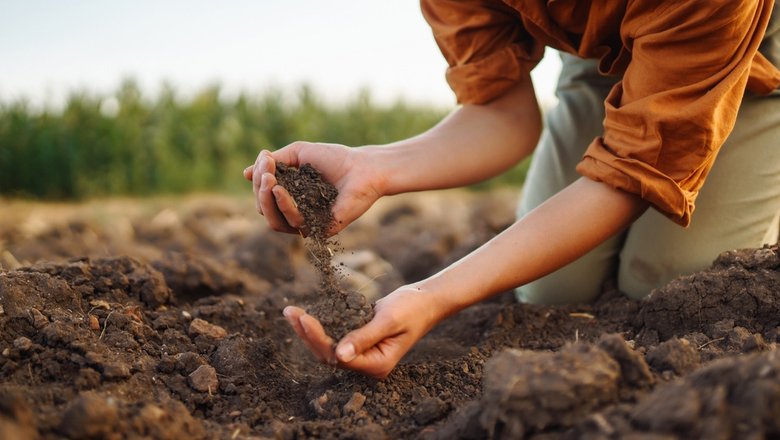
x=472 y=144
x=557 y=232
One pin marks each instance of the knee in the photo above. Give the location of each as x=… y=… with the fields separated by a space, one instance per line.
x=637 y=277
x=557 y=290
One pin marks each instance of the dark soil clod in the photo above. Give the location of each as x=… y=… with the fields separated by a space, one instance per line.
x=184 y=339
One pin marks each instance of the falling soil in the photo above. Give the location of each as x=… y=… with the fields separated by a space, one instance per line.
x=187 y=341
x=340 y=311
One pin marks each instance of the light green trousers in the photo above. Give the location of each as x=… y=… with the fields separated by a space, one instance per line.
x=738 y=207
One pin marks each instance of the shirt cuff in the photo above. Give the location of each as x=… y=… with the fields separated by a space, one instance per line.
x=639 y=178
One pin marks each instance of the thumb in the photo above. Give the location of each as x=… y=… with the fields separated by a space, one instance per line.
x=358 y=341
x=248 y=172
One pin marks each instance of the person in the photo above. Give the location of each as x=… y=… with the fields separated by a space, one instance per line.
x=661 y=88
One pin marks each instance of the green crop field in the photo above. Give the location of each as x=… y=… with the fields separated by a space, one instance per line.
x=125 y=143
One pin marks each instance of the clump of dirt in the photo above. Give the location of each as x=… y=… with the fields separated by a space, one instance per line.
x=339 y=311
x=185 y=345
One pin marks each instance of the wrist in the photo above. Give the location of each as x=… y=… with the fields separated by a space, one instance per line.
x=381 y=165
x=440 y=301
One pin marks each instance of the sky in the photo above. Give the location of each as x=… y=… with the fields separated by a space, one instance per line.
x=51 y=47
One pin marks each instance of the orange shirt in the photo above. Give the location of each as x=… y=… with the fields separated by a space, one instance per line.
x=685 y=66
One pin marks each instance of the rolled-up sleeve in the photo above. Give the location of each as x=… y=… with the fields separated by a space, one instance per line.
x=678 y=99
x=485 y=45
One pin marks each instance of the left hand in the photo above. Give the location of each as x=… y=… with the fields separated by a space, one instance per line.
x=400 y=320
x=353 y=171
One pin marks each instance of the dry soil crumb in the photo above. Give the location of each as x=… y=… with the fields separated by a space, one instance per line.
x=338 y=311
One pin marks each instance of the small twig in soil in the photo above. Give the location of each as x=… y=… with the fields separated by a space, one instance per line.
x=581 y=315
x=576 y=335
x=710 y=342
x=105 y=324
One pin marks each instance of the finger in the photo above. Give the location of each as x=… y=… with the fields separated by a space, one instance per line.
x=269 y=165
x=257 y=173
x=248 y=171
x=293 y=315
x=322 y=343
x=288 y=208
x=266 y=203
x=264 y=163
x=289 y=154
x=340 y=210
x=363 y=339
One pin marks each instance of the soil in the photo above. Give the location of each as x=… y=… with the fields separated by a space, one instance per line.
x=184 y=336
x=338 y=310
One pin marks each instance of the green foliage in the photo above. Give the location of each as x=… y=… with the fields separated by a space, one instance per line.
x=125 y=144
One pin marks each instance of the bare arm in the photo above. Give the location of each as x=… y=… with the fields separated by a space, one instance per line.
x=473 y=143
x=557 y=232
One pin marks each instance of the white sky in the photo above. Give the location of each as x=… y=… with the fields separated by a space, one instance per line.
x=50 y=47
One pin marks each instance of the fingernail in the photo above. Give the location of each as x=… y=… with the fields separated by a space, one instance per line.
x=346 y=352
x=287 y=312
x=247 y=169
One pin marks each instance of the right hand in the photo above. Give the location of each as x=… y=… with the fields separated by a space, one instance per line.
x=400 y=320
x=350 y=170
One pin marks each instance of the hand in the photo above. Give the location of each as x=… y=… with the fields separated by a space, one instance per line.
x=400 y=320
x=350 y=170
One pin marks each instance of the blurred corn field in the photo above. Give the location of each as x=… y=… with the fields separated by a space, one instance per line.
x=125 y=144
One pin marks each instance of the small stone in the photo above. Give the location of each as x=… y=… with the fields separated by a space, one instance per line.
x=6 y=352
x=204 y=379
x=2 y=310
x=22 y=343
x=39 y=321
x=235 y=413
x=200 y=327
x=94 y=324
x=116 y=370
x=186 y=315
x=355 y=403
